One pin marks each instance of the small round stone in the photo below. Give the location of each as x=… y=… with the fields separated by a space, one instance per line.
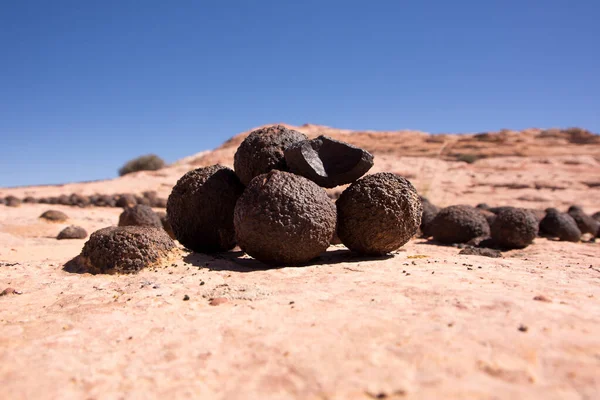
x=72 y=232
x=429 y=213
x=378 y=214
x=459 y=224
x=585 y=223
x=139 y=215
x=263 y=151
x=126 y=200
x=283 y=218
x=200 y=208
x=514 y=228
x=12 y=201
x=125 y=249
x=560 y=225
x=54 y=216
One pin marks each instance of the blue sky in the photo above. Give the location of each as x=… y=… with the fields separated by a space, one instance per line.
x=87 y=85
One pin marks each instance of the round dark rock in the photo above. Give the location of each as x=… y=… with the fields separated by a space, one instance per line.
x=263 y=151
x=482 y=206
x=585 y=223
x=80 y=200
x=139 y=215
x=126 y=200
x=164 y=219
x=54 y=216
x=429 y=213
x=328 y=162
x=378 y=214
x=125 y=249
x=200 y=209
x=104 y=201
x=559 y=225
x=12 y=201
x=459 y=224
x=596 y=216
x=29 y=200
x=283 y=218
x=72 y=232
x=514 y=228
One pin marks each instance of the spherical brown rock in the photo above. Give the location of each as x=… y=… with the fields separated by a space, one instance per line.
x=263 y=151
x=514 y=228
x=12 y=201
x=200 y=209
x=585 y=223
x=596 y=216
x=126 y=200
x=282 y=218
x=54 y=216
x=378 y=213
x=560 y=225
x=125 y=249
x=139 y=215
x=429 y=213
x=72 y=232
x=459 y=224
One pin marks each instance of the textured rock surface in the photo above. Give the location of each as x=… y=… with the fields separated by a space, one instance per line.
x=200 y=208
x=480 y=251
x=283 y=218
x=263 y=151
x=560 y=225
x=124 y=249
x=378 y=214
x=328 y=162
x=514 y=228
x=459 y=224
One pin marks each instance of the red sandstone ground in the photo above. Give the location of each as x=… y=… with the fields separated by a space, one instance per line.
x=424 y=323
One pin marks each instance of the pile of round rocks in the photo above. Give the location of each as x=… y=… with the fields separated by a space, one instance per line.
x=274 y=207
x=504 y=227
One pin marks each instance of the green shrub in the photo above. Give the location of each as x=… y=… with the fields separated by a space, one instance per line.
x=468 y=158
x=149 y=162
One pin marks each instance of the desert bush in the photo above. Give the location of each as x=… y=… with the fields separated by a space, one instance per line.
x=149 y=162
x=468 y=158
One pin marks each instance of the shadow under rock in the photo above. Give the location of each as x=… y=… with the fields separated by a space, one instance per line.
x=238 y=261
x=74 y=266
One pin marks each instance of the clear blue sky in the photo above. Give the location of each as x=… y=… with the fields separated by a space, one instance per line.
x=87 y=85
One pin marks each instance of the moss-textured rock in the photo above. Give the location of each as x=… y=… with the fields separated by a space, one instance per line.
x=459 y=224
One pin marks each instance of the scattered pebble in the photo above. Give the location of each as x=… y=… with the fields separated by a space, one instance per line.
x=218 y=301
x=542 y=298
x=186 y=297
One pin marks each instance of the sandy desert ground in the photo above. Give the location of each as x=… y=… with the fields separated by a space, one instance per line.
x=424 y=322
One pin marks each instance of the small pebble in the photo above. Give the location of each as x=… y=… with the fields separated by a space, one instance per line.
x=186 y=297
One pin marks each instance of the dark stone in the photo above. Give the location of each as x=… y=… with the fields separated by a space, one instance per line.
x=164 y=219
x=200 y=209
x=143 y=200
x=480 y=251
x=482 y=206
x=378 y=214
x=29 y=200
x=559 y=225
x=263 y=151
x=125 y=249
x=139 y=215
x=514 y=228
x=459 y=224
x=497 y=210
x=80 y=200
x=596 y=216
x=126 y=200
x=104 y=201
x=72 y=232
x=429 y=213
x=283 y=218
x=64 y=200
x=54 y=216
x=12 y=201
x=585 y=223
x=328 y=162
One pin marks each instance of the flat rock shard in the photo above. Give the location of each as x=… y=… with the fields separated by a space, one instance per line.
x=328 y=162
